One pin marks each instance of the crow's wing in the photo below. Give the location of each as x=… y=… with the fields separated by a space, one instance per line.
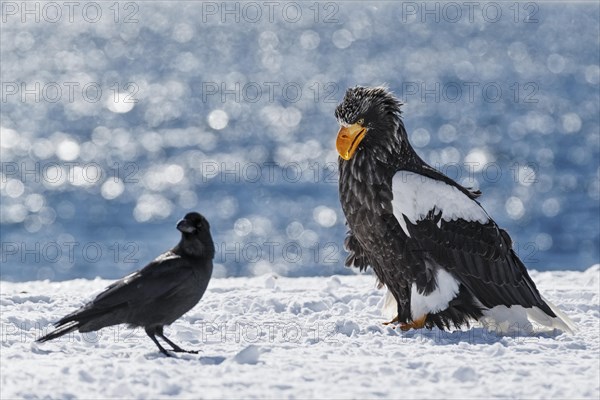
x=163 y=277
x=451 y=229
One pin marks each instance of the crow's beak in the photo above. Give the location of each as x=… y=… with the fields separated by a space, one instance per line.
x=184 y=226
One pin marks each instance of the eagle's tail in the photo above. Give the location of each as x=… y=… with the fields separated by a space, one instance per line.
x=518 y=319
x=561 y=321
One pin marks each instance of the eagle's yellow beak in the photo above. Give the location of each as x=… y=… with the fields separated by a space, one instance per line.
x=348 y=139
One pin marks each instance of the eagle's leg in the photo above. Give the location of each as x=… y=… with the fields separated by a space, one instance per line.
x=392 y=321
x=403 y=305
x=415 y=324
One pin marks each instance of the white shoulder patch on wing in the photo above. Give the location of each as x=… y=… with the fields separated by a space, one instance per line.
x=415 y=195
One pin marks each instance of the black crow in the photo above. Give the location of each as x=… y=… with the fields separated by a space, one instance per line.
x=156 y=295
x=442 y=258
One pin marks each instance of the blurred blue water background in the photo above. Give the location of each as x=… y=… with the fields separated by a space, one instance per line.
x=233 y=117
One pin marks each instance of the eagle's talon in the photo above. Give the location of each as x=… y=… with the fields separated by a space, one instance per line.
x=415 y=324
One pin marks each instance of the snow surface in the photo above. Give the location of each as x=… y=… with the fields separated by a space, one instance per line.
x=310 y=337
x=264 y=170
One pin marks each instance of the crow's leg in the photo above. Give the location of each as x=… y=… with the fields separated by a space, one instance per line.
x=177 y=349
x=151 y=332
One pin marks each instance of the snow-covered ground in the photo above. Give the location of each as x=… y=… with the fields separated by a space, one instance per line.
x=498 y=98
x=281 y=337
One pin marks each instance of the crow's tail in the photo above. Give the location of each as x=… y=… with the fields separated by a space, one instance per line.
x=60 y=330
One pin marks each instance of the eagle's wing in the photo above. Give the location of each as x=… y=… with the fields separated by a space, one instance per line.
x=450 y=231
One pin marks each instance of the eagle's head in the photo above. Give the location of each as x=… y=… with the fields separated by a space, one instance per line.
x=369 y=119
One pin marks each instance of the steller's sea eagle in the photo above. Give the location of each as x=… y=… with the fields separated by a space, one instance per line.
x=443 y=259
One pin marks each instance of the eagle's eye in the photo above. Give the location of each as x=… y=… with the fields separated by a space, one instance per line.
x=361 y=121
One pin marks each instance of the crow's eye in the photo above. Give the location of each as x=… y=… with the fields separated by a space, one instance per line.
x=361 y=121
